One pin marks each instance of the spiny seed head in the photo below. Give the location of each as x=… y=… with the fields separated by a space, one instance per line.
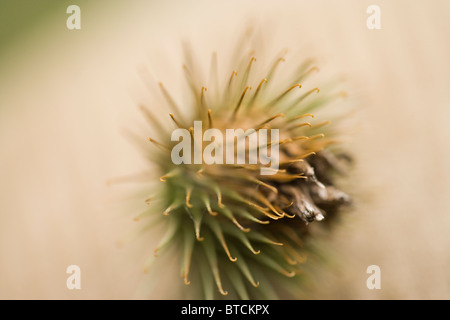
x=237 y=230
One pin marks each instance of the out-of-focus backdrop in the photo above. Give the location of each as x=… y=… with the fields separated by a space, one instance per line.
x=66 y=94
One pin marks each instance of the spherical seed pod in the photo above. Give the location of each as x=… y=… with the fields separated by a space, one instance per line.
x=242 y=177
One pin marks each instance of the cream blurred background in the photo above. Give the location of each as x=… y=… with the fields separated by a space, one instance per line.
x=65 y=95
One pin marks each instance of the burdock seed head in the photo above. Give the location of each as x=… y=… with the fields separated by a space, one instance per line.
x=239 y=224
